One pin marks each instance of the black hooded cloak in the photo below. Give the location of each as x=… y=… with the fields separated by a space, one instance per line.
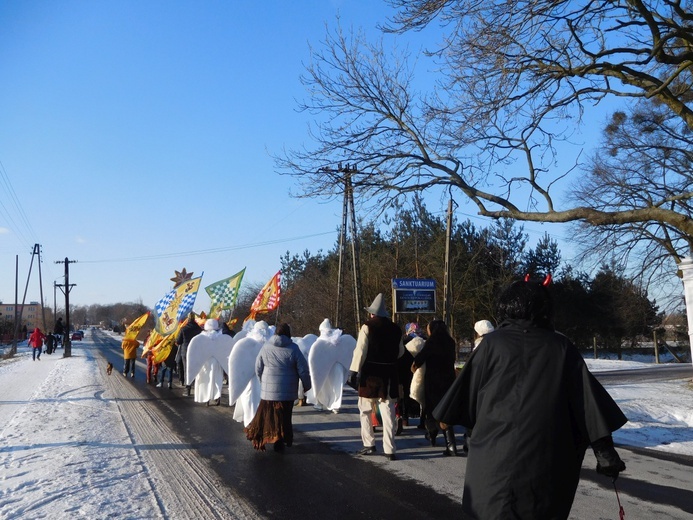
x=533 y=407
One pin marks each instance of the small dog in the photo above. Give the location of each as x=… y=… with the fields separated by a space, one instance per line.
x=109 y=368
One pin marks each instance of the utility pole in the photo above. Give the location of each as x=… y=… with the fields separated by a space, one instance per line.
x=37 y=251
x=348 y=211
x=16 y=309
x=355 y=256
x=447 y=290
x=340 y=271
x=67 y=346
x=18 y=320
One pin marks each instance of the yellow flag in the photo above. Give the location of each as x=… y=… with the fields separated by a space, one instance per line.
x=163 y=348
x=134 y=328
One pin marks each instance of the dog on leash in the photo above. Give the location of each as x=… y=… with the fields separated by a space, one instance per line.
x=109 y=368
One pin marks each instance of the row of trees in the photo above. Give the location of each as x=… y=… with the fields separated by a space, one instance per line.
x=607 y=305
x=483 y=261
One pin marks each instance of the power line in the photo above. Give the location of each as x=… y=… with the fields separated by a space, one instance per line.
x=17 y=209
x=205 y=251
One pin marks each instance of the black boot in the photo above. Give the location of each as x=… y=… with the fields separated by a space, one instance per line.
x=450 y=444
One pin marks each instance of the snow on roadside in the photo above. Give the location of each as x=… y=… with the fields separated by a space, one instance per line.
x=660 y=415
x=64 y=450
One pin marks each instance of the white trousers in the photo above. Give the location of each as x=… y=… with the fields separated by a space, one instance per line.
x=387 y=411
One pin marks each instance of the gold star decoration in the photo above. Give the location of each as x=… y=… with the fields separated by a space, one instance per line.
x=181 y=277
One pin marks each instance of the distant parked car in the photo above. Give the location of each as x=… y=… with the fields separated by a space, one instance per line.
x=77 y=335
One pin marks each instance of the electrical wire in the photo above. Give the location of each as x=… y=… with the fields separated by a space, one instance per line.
x=204 y=251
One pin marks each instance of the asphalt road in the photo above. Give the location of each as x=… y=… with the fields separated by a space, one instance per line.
x=321 y=477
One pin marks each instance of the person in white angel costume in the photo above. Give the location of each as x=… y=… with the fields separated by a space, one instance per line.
x=208 y=353
x=328 y=361
x=304 y=345
x=244 y=385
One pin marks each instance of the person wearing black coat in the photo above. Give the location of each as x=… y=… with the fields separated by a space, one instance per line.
x=439 y=355
x=534 y=408
x=187 y=333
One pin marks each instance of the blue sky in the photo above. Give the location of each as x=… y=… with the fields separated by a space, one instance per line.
x=137 y=139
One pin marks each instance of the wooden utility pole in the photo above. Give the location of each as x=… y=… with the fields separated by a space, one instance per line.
x=67 y=346
x=342 y=258
x=348 y=215
x=18 y=317
x=37 y=251
x=447 y=290
x=16 y=307
x=355 y=255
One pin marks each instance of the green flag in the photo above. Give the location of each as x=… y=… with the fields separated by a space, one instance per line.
x=224 y=293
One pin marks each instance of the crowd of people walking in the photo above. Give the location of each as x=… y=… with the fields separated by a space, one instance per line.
x=526 y=405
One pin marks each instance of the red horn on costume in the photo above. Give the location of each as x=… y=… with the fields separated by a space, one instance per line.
x=547 y=280
x=527 y=277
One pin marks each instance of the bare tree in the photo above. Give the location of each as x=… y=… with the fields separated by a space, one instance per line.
x=515 y=78
x=645 y=159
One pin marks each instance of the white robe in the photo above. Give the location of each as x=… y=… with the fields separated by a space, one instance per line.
x=304 y=345
x=328 y=362
x=244 y=385
x=416 y=390
x=208 y=353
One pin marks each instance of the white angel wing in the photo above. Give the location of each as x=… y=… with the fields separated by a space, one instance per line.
x=345 y=351
x=241 y=366
x=329 y=360
x=200 y=350
x=305 y=343
x=321 y=358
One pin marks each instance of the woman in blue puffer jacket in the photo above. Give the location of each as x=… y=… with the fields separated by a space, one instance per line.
x=279 y=367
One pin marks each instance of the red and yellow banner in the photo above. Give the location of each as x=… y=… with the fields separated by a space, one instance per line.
x=268 y=298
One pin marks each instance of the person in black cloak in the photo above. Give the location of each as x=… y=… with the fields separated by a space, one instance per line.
x=533 y=408
x=185 y=336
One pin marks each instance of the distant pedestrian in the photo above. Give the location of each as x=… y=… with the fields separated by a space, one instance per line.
x=406 y=403
x=168 y=366
x=152 y=367
x=279 y=366
x=186 y=334
x=129 y=347
x=534 y=408
x=438 y=355
x=36 y=343
x=225 y=329
x=50 y=343
x=373 y=373
x=59 y=330
x=481 y=328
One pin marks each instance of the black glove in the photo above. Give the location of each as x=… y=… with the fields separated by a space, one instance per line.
x=608 y=461
x=353 y=380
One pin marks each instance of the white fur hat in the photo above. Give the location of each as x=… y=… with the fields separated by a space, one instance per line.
x=211 y=325
x=483 y=327
x=325 y=325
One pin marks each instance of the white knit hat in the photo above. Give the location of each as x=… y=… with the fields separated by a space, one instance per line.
x=326 y=325
x=211 y=325
x=483 y=327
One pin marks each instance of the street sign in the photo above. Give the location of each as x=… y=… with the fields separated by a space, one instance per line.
x=414 y=295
